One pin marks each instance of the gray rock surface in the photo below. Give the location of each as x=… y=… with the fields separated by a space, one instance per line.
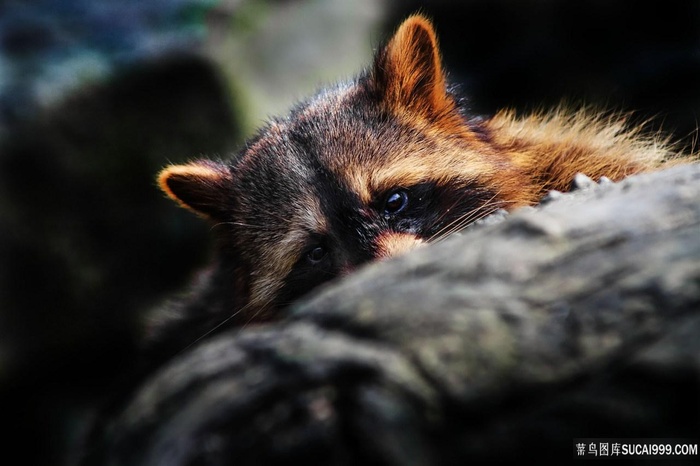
x=580 y=318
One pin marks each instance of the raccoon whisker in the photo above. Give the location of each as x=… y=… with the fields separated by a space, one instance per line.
x=460 y=221
x=240 y=224
x=483 y=211
x=463 y=222
x=216 y=327
x=456 y=228
x=447 y=229
x=255 y=314
x=250 y=319
x=470 y=217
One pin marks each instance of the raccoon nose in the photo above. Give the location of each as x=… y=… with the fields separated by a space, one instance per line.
x=392 y=244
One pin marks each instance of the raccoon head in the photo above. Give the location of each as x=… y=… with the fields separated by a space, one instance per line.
x=362 y=171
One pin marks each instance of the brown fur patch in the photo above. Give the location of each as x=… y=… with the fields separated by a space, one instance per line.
x=550 y=148
x=415 y=166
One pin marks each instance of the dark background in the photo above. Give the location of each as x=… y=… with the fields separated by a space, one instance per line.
x=625 y=55
x=88 y=244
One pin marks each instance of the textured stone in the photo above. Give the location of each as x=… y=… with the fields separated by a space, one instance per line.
x=575 y=319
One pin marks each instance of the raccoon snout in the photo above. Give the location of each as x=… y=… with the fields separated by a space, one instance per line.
x=392 y=244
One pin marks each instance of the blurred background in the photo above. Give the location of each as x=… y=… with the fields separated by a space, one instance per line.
x=97 y=95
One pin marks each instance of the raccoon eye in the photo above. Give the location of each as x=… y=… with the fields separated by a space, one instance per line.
x=395 y=202
x=316 y=254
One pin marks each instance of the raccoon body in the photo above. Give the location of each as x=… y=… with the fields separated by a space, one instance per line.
x=370 y=169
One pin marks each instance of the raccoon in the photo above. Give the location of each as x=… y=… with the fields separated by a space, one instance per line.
x=370 y=169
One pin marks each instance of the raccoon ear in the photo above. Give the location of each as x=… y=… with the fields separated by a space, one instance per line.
x=408 y=73
x=200 y=186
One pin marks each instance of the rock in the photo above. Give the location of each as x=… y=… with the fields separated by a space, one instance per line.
x=576 y=319
x=95 y=97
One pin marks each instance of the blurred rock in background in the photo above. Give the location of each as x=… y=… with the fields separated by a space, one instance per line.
x=278 y=52
x=97 y=95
